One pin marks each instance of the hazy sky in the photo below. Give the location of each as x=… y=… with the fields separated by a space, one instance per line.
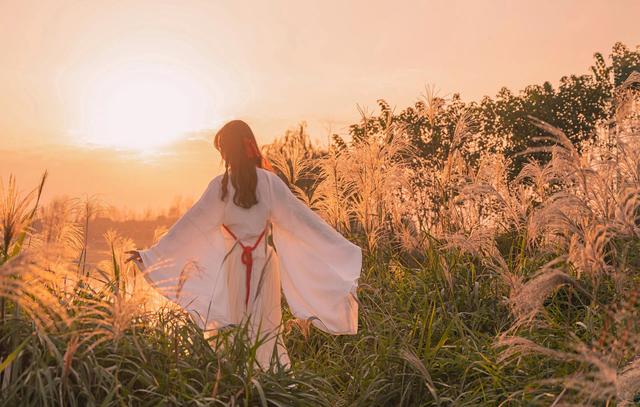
x=78 y=75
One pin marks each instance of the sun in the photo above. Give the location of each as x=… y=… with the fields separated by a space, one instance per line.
x=142 y=107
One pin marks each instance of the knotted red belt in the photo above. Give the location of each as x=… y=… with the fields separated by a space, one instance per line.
x=247 y=260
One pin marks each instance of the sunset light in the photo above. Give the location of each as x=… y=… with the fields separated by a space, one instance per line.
x=141 y=107
x=319 y=203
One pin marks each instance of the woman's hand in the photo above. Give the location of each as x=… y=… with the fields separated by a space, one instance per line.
x=134 y=255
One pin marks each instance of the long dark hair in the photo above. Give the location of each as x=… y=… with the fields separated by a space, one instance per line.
x=241 y=156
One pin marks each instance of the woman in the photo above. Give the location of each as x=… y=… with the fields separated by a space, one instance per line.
x=226 y=258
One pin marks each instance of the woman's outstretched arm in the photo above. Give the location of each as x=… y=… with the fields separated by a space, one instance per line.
x=320 y=267
x=184 y=265
x=200 y=220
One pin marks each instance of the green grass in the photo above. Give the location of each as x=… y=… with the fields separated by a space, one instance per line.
x=419 y=343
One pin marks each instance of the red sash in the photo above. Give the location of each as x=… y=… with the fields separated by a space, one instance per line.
x=247 y=260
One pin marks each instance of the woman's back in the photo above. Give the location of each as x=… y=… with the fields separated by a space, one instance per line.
x=247 y=223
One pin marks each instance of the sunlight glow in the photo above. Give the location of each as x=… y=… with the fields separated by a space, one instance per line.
x=142 y=107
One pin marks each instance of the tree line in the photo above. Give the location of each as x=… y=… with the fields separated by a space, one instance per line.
x=577 y=106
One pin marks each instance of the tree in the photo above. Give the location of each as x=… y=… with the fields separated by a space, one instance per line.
x=577 y=106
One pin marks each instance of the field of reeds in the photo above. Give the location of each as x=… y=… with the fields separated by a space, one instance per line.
x=479 y=286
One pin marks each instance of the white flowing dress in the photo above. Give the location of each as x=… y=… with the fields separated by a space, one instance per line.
x=197 y=264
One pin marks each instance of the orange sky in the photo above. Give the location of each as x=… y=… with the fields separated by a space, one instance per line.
x=83 y=81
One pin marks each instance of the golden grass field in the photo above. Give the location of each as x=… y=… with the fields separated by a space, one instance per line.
x=479 y=287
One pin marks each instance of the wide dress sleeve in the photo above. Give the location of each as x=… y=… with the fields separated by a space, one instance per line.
x=185 y=265
x=319 y=267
